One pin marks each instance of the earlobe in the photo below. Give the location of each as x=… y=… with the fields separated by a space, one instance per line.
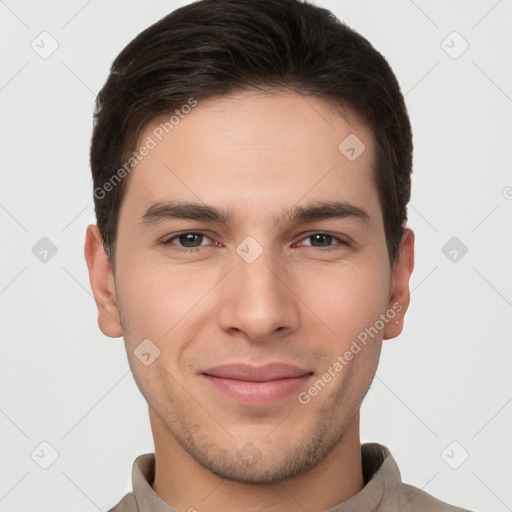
x=399 y=292
x=102 y=283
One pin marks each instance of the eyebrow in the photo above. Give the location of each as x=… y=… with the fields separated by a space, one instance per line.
x=161 y=211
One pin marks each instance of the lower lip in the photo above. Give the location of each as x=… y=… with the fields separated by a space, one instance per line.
x=258 y=394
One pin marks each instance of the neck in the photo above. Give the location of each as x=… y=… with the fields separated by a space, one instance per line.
x=184 y=484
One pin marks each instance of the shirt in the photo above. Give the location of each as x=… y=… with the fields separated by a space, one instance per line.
x=384 y=490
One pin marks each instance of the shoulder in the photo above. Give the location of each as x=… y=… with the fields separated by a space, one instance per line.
x=127 y=504
x=413 y=499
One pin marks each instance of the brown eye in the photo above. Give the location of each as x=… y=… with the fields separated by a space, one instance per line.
x=322 y=239
x=190 y=239
x=319 y=240
x=187 y=241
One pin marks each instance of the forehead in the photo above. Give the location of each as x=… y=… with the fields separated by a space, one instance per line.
x=254 y=149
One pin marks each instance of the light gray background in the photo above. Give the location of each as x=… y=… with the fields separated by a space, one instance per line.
x=446 y=378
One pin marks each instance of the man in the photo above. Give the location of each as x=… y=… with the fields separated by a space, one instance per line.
x=251 y=165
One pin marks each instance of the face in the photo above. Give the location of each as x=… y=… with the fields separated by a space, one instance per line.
x=248 y=238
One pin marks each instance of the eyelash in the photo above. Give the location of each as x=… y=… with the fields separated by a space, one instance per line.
x=168 y=242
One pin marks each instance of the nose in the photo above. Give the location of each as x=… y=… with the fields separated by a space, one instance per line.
x=258 y=299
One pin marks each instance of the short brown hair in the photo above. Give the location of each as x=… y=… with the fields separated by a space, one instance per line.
x=216 y=47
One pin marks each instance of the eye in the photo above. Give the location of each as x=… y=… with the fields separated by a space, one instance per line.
x=189 y=241
x=324 y=240
x=192 y=241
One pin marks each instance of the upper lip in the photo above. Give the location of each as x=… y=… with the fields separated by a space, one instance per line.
x=247 y=372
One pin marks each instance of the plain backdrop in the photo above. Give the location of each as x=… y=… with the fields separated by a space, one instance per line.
x=441 y=399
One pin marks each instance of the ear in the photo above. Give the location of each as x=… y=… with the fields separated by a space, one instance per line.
x=102 y=283
x=399 y=290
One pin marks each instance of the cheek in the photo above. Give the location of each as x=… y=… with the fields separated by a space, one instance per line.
x=165 y=303
x=157 y=302
x=346 y=298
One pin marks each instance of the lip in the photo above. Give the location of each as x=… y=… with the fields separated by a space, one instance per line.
x=247 y=372
x=257 y=386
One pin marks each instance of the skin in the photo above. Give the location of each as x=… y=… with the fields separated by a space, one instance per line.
x=257 y=155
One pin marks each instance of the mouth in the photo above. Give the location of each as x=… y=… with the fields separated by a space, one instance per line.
x=257 y=386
